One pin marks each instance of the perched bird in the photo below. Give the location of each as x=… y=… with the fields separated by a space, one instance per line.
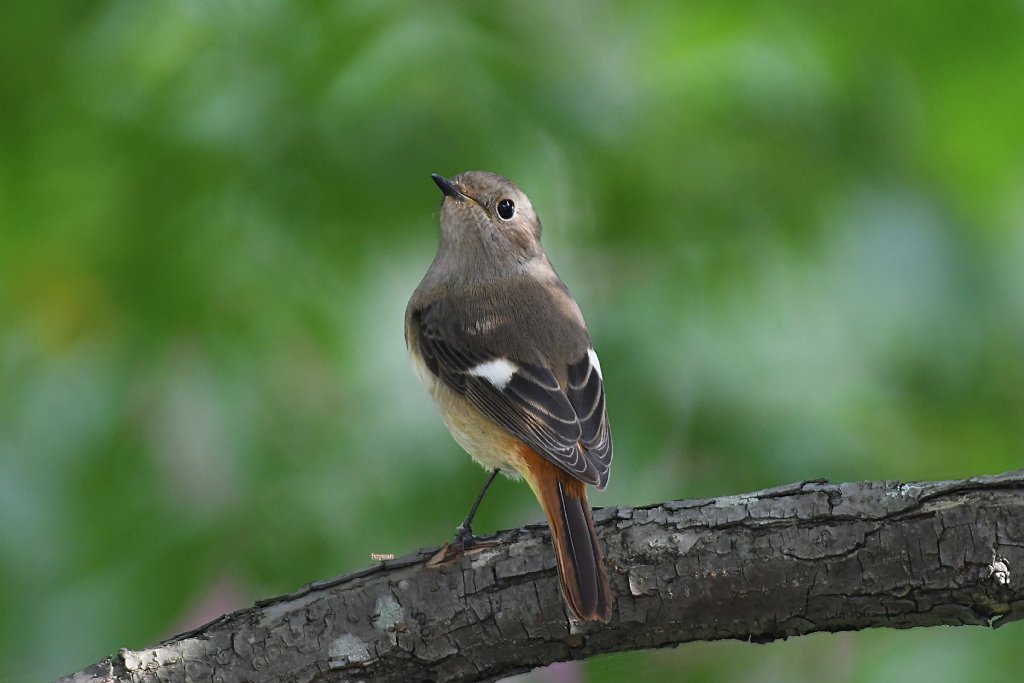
x=503 y=349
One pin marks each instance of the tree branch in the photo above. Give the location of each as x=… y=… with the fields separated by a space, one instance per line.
x=777 y=563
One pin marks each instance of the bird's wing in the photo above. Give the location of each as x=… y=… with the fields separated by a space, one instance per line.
x=585 y=391
x=568 y=427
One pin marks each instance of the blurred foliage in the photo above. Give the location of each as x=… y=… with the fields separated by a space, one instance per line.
x=797 y=231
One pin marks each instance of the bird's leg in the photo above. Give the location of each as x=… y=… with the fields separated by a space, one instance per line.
x=464 y=532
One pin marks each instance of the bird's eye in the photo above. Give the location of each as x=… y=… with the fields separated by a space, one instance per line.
x=506 y=209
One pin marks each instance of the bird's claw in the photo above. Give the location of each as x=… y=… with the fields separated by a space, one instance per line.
x=464 y=537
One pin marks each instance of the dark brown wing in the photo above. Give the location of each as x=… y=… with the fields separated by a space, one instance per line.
x=585 y=391
x=527 y=400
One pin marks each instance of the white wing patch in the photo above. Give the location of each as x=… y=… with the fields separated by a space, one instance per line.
x=595 y=362
x=498 y=372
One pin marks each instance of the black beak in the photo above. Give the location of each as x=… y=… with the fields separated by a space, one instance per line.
x=447 y=187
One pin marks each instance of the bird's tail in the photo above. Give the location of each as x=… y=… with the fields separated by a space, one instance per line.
x=580 y=566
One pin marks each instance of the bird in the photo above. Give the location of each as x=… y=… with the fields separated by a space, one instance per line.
x=504 y=351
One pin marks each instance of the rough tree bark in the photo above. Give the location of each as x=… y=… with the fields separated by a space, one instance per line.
x=777 y=563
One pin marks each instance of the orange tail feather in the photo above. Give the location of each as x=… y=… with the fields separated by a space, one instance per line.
x=580 y=565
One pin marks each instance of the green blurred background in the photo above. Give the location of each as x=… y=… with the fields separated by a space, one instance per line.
x=797 y=231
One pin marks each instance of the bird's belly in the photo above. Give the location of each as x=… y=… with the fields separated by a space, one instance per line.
x=481 y=437
x=487 y=444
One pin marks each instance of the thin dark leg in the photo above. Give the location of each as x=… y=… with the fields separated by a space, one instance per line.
x=464 y=532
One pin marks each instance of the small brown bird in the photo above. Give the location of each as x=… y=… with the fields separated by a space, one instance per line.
x=504 y=351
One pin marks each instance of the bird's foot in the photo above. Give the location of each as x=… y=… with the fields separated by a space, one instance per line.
x=463 y=541
x=464 y=537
